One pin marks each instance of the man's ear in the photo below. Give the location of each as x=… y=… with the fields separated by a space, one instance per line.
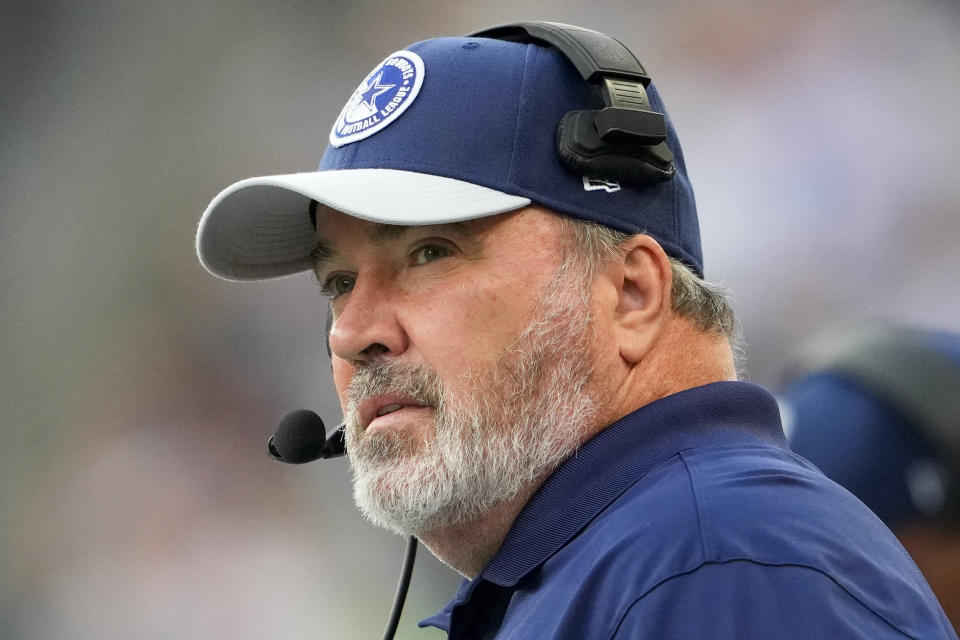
x=644 y=278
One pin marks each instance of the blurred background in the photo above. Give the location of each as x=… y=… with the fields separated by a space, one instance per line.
x=137 y=392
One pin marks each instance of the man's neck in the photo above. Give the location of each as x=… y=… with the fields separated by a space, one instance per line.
x=686 y=358
x=468 y=547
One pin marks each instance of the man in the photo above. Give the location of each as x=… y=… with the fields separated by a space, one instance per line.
x=535 y=378
x=876 y=409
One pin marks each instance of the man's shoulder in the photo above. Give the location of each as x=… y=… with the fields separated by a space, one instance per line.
x=738 y=509
x=766 y=504
x=751 y=502
x=714 y=503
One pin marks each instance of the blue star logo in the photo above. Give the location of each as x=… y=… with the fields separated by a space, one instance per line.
x=395 y=84
x=375 y=89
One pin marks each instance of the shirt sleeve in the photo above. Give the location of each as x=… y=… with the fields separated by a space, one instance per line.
x=745 y=600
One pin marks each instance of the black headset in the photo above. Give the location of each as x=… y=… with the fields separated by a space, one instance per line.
x=626 y=139
x=900 y=367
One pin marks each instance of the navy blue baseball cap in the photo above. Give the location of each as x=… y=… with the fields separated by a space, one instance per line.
x=876 y=409
x=446 y=130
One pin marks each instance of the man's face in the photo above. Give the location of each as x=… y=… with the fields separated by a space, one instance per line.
x=461 y=358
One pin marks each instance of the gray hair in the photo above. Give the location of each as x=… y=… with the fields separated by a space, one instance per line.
x=708 y=305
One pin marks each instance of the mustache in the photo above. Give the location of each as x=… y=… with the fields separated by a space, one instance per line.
x=380 y=377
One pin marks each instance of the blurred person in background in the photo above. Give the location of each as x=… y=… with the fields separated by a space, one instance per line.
x=877 y=409
x=537 y=382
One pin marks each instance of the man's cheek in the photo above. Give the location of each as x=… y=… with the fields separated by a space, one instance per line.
x=342 y=375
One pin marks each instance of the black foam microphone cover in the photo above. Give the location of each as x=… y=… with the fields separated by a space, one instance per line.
x=300 y=437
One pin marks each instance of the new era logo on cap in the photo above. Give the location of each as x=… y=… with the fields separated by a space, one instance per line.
x=596 y=184
x=380 y=99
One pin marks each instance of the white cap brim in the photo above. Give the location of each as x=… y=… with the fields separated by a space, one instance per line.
x=259 y=228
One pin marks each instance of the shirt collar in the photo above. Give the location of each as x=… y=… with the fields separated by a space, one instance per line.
x=618 y=456
x=613 y=460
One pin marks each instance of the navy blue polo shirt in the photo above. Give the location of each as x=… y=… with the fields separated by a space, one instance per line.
x=690 y=518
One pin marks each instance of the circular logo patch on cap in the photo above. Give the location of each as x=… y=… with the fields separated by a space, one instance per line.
x=380 y=99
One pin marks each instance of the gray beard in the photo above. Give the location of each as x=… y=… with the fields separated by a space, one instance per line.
x=513 y=427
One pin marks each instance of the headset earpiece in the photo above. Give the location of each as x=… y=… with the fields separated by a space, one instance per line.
x=626 y=139
x=585 y=153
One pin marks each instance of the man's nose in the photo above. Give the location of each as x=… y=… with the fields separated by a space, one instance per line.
x=367 y=325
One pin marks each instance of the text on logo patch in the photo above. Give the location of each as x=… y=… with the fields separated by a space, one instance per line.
x=380 y=99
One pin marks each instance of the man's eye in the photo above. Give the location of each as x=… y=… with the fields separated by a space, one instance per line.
x=336 y=285
x=429 y=253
